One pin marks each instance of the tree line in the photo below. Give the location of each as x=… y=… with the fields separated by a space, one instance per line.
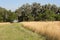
x=33 y=12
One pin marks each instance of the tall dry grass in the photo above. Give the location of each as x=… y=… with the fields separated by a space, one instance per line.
x=49 y=29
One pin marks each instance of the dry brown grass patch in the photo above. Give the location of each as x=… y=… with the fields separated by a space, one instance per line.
x=51 y=29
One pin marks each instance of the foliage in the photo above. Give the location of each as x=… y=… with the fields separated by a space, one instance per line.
x=33 y=12
x=37 y=12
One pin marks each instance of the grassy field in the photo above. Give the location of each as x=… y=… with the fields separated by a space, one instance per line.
x=30 y=31
x=15 y=31
x=51 y=30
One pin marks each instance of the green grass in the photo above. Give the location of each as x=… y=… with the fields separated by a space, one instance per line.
x=15 y=31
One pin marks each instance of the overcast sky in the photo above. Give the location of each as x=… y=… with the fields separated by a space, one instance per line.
x=14 y=4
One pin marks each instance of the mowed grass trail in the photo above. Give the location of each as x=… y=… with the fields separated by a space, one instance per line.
x=15 y=31
x=50 y=29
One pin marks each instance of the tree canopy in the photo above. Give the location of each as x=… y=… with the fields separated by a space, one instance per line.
x=33 y=12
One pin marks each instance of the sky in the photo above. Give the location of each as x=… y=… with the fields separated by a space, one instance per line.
x=14 y=4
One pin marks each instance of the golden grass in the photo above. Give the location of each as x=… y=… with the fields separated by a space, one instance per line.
x=50 y=29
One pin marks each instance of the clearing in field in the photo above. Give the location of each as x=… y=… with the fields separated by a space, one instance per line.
x=16 y=31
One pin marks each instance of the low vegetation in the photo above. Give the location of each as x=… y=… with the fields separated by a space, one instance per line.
x=49 y=29
x=16 y=31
